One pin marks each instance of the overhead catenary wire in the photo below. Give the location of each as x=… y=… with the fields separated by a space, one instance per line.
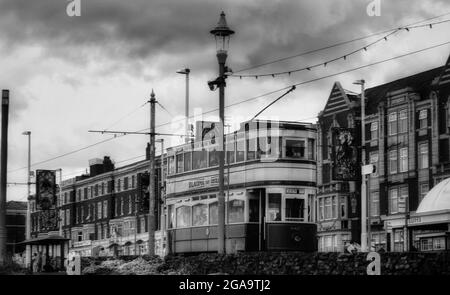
x=337 y=44
x=246 y=100
x=340 y=57
x=126 y=116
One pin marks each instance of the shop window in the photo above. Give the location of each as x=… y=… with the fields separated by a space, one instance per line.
x=188 y=161
x=236 y=211
x=200 y=215
x=183 y=216
x=274 y=207
x=295 y=149
x=295 y=209
x=213 y=213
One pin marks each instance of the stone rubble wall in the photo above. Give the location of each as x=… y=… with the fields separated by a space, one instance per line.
x=270 y=263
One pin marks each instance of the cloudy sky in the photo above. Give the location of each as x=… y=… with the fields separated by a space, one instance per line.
x=67 y=75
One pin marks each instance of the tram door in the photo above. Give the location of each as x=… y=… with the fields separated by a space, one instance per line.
x=256 y=216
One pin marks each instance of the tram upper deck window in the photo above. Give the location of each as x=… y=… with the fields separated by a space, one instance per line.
x=180 y=163
x=240 y=151
x=183 y=216
x=187 y=161
x=199 y=159
x=171 y=165
x=274 y=207
x=295 y=209
x=230 y=148
x=251 y=148
x=200 y=215
x=213 y=157
x=236 y=211
x=295 y=148
x=213 y=213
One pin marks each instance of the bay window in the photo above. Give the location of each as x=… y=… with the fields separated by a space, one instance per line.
x=295 y=148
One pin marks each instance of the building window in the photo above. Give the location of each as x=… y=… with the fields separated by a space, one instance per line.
x=130 y=204
x=393 y=201
x=180 y=163
x=328 y=208
x=375 y=204
x=230 y=148
x=374 y=161
x=183 y=216
x=133 y=181
x=426 y=244
x=118 y=185
x=105 y=209
x=343 y=207
x=374 y=130
x=125 y=183
x=423 y=156
x=96 y=190
x=438 y=243
x=423 y=191
x=334 y=207
x=403 y=159
x=143 y=225
x=392 y=123
x=321 y=209
x=67 y=217
x=171 y=165
x=311 y=149
x=121 y=206
x=99 y=210
x=251 y=148
x=85 y=193
x=423 y=119
x=103 y=188
x=236 y=211
x=393 y=162
x=403 y=121
x=295 y=149
x=274 y=207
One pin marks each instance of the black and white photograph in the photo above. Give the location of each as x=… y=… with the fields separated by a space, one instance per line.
x=242 y=140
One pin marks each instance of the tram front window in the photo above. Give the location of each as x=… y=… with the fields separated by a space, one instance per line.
x=274 y=207
x=236 y=211
x=295 y=148
x=295 y=209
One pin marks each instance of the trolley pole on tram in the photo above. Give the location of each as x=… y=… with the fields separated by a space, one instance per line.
x=3 y=178
x=222 y=35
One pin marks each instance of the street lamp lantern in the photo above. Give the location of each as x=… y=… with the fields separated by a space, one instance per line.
x=222 y=34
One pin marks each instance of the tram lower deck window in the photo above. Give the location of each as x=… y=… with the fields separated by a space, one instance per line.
x=236 y=211
x=200 y=215
x=295 y=209
x=274 y=207
x=183 y=216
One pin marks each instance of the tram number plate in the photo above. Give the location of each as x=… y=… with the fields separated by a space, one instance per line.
x=295 y=191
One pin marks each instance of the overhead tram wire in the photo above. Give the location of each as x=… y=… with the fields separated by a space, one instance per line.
x=247 y=100
x=337 y=44
x=344 y=56
x=358 y=68
x=127 y=115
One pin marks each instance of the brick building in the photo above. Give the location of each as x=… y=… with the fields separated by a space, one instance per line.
x=407 y=138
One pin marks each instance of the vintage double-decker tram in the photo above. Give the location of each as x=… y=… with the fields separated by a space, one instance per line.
x=270 y=185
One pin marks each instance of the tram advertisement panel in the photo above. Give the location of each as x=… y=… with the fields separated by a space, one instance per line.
x=344 y=154
x=45 y=189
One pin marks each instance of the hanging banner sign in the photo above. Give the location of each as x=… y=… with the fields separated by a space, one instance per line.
x=344 y=154
x=46 y=189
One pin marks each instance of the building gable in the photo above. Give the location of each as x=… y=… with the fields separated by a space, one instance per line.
x=338 y=101
x=444 y=79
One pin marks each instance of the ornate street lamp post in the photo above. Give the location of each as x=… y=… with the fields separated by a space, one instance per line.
x=222 y=35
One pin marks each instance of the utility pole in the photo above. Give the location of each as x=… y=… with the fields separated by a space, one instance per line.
x=61 y=215
x=152 y=195
x=363 y=176
x=3 y=178
x=28 y=217
x=186 y=72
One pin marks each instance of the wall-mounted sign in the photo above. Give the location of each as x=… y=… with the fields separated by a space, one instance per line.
x=295 y=191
